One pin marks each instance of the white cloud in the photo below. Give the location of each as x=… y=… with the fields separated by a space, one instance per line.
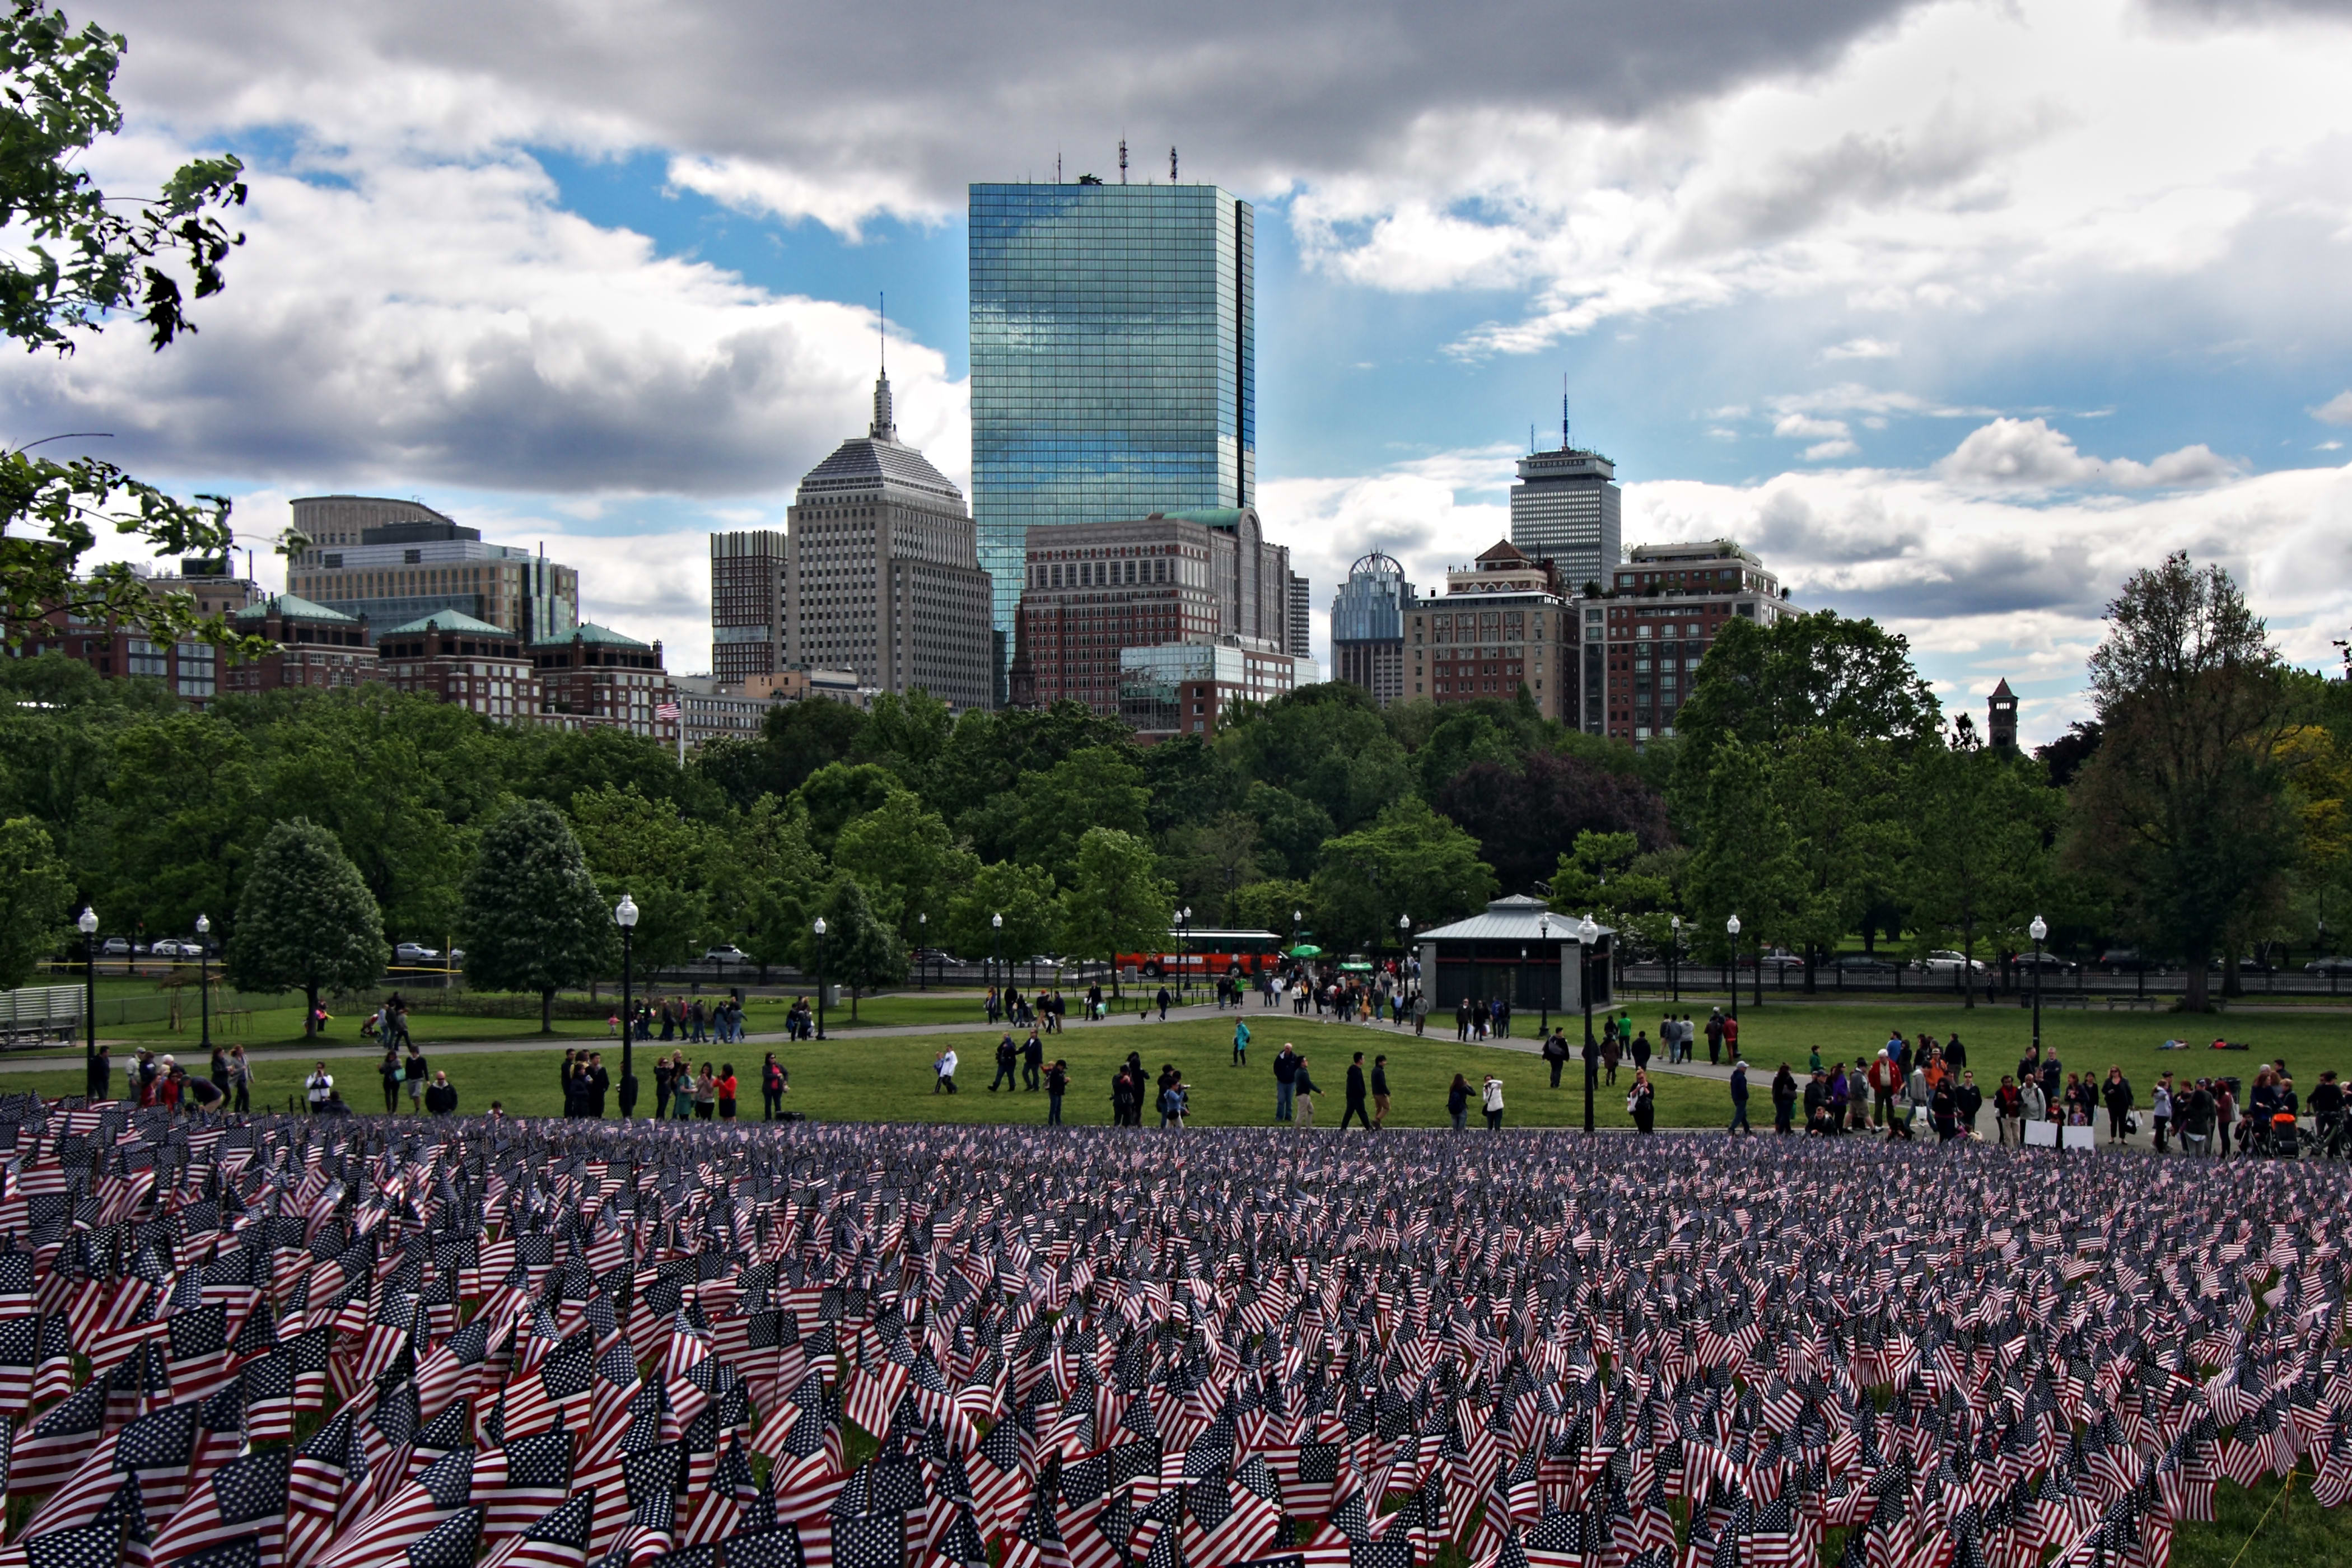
x=2027 y=454
x=1805 y=427
x=1823 y=451
x=2336 y=410
x=1863 y=347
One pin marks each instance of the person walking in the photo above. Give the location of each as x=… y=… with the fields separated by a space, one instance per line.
x=1240 y=1042
x=240 y=1079
x=944 y=1071
x=1642 y=1052
x=772 y=1088
x=389 y=1069
x=413 y=1070
x=1609 y=1053
x=441 y=1097
x=1008 y=1056
x=2116 y=1092
x=1462 y=1020
x=1032 y=1062
x=1457 y=1102
x=1355 y=1106
x=2008 y=1112
x=1968 y=1099
x=1057 y=1083
x=725 y=1088
x=1784 y=1098
x=1172 y=1097
x=1645 y=1102
x=1125 y=1090
x=1738 y=1091
x=2160 y=1109
x=1380 y=1092
x=1303 y=1100
x=1490 y=1097
x=1715 y=1037
x=1555 y=1051
x=1731 y=1039
x=1286 y=1081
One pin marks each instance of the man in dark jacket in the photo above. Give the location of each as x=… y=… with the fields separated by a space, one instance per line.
x=1380 y=1092
x=1032 y=1062
x=1555 y=1051
x=1356 y=1095
x=1969 y=1098
x=1738 y=1090
x=599 y=1082
x=1286 y=1081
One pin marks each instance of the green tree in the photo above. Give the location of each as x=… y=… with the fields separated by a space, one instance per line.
x=1291 y=828
x=88 y=259
x=184 y=813
x=648 y=848
x=1977 y=866
x=1409 y=862
x=1324 y=744
x=767 y=881
x=1214 y=862
x=908 y=735
x=532 y=918
x=993 y=753
x=1191 y=783
x=859 y=950
x=306 y=920
x=1746 y=860
x=1608 y=876
x=904 y=855
x=1269 y=905
x=1022 y=894
x=1043 y=819
x=2183 y=815
x=1118 y=902
x=36 y=897
x=1813 y=672
x=839 y=793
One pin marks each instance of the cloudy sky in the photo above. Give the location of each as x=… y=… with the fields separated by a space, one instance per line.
x=1956 y=311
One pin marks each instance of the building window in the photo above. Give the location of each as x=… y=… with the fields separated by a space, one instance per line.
x=147 y=659
x=198 y=669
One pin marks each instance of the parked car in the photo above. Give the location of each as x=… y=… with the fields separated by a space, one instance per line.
x=2045 y=960
x=2338 y=964
x=2125 y=960
x=410 y=953
x=2245 y=966
x=115 y=947
x=1779 y=958
x=1943 y=961
x=727 y=953
x=170 y=947
x=937 y=955
x=1862 y=964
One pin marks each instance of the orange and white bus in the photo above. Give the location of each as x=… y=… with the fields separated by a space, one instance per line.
x=1202 y=953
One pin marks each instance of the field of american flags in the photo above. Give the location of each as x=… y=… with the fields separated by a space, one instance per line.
x=372 y=1345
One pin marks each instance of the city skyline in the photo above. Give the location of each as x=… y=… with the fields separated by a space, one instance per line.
x=1954 y=314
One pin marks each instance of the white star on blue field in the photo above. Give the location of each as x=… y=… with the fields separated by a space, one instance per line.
x=1955 y=312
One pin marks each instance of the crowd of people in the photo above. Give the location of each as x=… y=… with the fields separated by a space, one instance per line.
x=153 y=1080
x=693 y=1020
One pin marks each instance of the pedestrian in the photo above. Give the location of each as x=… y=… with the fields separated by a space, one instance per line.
x=1380 y=1092
x=1123 y=1092
x=1490 y=1096
x=1643 y=1102
x=1738 y=1090
x=1421 y=1012
x=1163 y=1000
x=1457 y=1102
x=441 y=1097
x=1784 y=1098
x=2117 y=1094
x=1008 y=1055
x=389 y=1069
x=1303 y=1100
x=413 y=1071
x=1715 y=1037
x=726 y=1091
x=681 y=1088
x=1968 y=1099
x=319 y=1089
x=706 y=1094
x=1355 y=1093
x=772 y=1087
x=240 y=1078
x=1642 y=1052
x=944 y=1071
x=1462 y=1020
x=2160 y=1109
x=1057 y=1082
x=1555 y=1051
x=1286 y=1079
x=2008 y=1111
x=2032 y=1105
x=1241 y=1043
x=1731 y=1038
x=1032 y=1062
x=1172 y=1097
x=598 y=1082
x=1609 y=1054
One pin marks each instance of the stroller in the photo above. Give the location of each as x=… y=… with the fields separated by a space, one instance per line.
x=2282 y=1139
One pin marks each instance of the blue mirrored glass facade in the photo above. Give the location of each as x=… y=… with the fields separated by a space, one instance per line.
x=1114 y=365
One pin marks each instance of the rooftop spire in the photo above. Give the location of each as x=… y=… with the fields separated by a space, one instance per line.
x=884 y=427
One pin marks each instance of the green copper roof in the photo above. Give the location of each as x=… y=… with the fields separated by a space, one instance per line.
x=1209 y=516
x=447 y=621
x=590 y=632
x=294 y=607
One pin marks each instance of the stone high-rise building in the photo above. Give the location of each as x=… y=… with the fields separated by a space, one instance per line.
x=881 y=575
x=747 y=604
x=1567 y=508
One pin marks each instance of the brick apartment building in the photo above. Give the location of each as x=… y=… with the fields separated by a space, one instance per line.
x=466 y=662
x=1666 y=606
x=1504 y=622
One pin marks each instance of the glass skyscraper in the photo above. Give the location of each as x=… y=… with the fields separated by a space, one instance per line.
x=1114 y=361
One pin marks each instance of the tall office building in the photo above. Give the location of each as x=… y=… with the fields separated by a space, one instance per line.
x=1368 y=627
x=1113 y=360
x=392 y=562
x=1566 y=507
x=747 y=604
x=880 y=575
x=1666 y=606
x=1298 y=622
x=1096 y=589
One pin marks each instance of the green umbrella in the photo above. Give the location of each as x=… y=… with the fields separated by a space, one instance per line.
x=1364 y=968
x=1306 y=949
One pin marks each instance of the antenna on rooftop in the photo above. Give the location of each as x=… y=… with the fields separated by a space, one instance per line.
x=882 y=328
x=1122 y=160
x=1172 y=165
x=1057 y=165
x=1564 y=413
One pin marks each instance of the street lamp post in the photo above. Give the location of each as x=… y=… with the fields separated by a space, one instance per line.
x=625 y=915
x=1404 y=952
x=204 y=976
x=1587 y=934
x=2037 y=931
x=88 y=924
x=1674 y=952
x=819 y=928
x=1184 y=951
x=922 y=964
x=1543 y=992
x=1731 y=929
x=996 y=936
